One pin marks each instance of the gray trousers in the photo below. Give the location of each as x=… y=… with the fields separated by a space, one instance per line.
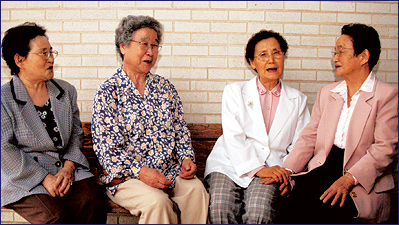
x=232 y=204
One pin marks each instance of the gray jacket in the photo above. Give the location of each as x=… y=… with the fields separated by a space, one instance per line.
x=27 y=152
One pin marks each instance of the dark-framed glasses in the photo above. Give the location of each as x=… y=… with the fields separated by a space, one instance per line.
x=338 y=51
x=264 y=56
x=145 y=46
x=46 y=55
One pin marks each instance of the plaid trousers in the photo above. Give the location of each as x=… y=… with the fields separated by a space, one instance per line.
x=232 y=204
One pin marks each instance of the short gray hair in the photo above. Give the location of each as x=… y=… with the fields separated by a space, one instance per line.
x=129 y=24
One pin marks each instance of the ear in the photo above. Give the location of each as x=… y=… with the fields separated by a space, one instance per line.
x=251 y=61
x=365 y=56
x=123 y=48
x=18 y=60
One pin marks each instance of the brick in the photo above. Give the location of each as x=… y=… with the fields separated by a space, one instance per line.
x=283 y=17
x=81 y=4
x=265 y=5
x=163 y=72
x=247 y=15
x=98 y=14
x=57 y=37
x=5 y=15
x=194 y=118
x=209 y=15
x=302 y=5
x=190 y=50
x=174 y=61
x=318 y=64
x=99 y=61
x=393 y=54
x=302 y=52
x=292 y=40
x=208 y=85
x=325 y=75
x=98 y=38
x=80 y=26
x=372 y=7
x=189 y=73
x=172 y=14
x=190 y=4
x=318 y=41
x=336 y=6
x=354 y=18
x=209 y=38
x=121 y=13
x=165 y=51
x=87 y=95
x=215 y=108
x=63 y=14
x=209 y=62
x=31 y=14
x=330 y=30
x=179 y=38
x=191 y=27
x=79 y=72
x=51 y=27
x=213 y=119
x=116 y=4
x=393 y=32
x=292 y=63
x=91 y=84
x=301 y=29
x=389 y=66
x=237 y=62
x=392 y=78
x=193 y=97
x=319 y=17
x=74 y=82
x=154 y=4
x=389 y=43
x=311 y=87
x=44 y=4
x=394 y=8
x=256 y=27
x=229 y=27
x=325 y=52
x=215 y=97
x=385 y=19
x=104 y=73
x=13 y=4
x=299 y=75
x=181 y=85
x=107 y=49
x=19 y=219
x=230 y=5
x=7 y=215
x=226 y=74
x=68 y=61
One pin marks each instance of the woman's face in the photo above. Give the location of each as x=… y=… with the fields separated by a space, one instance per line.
x=36 y=67
x=271 y=69
x=138 y=58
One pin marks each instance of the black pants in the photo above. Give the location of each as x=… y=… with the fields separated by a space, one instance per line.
x=83 y=204
x=304 y=205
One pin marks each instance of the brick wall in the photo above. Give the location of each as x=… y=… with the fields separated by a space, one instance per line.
x=204 y=41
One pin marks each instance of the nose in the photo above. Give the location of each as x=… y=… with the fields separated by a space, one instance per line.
x=335 y=58
x=150 y=51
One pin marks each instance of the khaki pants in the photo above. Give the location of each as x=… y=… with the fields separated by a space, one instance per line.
x=155 y=206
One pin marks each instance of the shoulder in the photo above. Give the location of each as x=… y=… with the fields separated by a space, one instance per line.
x=292 y=92
x=381 y=86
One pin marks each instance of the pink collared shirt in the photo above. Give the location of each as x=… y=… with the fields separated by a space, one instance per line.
x=269 y=102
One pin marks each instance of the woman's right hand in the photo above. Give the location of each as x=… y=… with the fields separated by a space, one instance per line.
x=154 y=178
x=51 y=183
x=278 y=173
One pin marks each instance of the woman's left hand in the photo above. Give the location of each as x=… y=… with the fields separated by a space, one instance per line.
x=66 y=174
x=188 y=169
x=340 y=189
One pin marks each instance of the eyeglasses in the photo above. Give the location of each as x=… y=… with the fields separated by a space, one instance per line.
x=145 y=46
x=338 y=52
x=46 y=55
x=275 y=54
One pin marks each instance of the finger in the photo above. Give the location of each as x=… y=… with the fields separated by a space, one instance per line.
x=58 y=181
x=343 y=200
x=267 y=180
x=285 y=191
x=337 y=196
x=67 y=188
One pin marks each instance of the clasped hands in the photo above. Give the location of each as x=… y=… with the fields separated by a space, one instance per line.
x=156 y=179
x=58 y=185
x=338 y=190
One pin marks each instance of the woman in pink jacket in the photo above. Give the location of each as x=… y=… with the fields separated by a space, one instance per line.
x=342 y=161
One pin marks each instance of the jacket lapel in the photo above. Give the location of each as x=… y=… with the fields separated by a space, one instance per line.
x=284 y=111
x=333 y=111
x=252 y=103
x=29 y=113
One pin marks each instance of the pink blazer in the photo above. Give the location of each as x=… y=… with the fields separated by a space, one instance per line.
x=370 y=149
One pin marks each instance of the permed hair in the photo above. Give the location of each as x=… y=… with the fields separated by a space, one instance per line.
x=364 y=37
x=129 y=24
x=262 y=35
x=17 y=40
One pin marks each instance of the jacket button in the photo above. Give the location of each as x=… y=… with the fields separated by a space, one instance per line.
x=353 y=194
x=346 y=170
x=58 y=164
x=36 y=159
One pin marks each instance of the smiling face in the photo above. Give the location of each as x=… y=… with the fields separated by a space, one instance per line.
x=35 y=67
x=138 y=58
x=271 y=70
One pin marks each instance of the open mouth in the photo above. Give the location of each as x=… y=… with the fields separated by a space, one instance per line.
x=148 y=61
x=50 y=68
x=272 y=70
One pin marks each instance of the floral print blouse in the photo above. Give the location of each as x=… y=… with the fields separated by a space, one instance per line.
x=130 y=131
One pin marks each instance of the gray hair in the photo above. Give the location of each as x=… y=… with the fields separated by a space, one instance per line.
x=129 y=24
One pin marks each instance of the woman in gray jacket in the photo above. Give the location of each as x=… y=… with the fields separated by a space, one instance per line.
x=44 y=175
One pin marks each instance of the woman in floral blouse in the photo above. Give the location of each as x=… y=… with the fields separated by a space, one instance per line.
x=140 y=135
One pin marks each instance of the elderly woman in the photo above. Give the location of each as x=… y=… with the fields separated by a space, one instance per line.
x=342 y=161
x=261 y=120
x=44 y=176
x=140 y=135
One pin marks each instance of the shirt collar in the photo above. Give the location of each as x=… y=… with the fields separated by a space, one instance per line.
x=367 y=85
x=276 y=91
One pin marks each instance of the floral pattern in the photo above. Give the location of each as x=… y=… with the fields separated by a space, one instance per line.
x=130 y=131
x=46 y=115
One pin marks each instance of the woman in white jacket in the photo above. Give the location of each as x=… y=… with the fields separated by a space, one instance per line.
x=261 y=120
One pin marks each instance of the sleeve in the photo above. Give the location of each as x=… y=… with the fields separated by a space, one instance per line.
x=17 y=167
x=183 y=135
x=108 y=138
x=382 y=151
x=73 y=152
x=240 y=150
x=304 y=147
x=303 y=120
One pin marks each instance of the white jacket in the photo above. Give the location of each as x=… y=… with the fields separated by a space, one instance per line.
x=245 y=144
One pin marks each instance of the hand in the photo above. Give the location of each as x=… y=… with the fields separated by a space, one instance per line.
x=154 y=178
x=284 y=188
x=278 y=173
x=188 y=169
x=340 y=189
x=51 y=182
x=66 y=176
